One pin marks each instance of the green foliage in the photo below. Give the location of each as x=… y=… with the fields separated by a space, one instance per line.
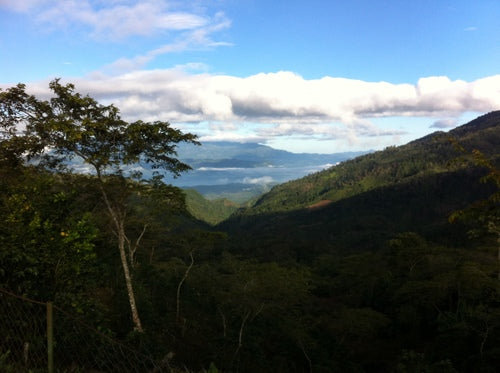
x=210 y=211
x=47 y=245
x=394 y=165
x=212 y=368
x=70 y=125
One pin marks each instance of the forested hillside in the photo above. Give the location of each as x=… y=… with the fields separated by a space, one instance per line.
x=386 y=263
x=395 y=165
x=403 y=249
x=360 y=203
x=210 y=211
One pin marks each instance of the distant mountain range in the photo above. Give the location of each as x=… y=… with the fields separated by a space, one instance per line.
x=226 y=154
x=241 y=171
x=237 y=171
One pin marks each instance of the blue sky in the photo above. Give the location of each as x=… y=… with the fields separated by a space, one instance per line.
x=305 y=76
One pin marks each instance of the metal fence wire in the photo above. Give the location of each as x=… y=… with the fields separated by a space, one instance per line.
x=23 y=343
x=31 y=342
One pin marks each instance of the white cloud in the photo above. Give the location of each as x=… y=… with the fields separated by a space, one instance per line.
x=287 y=98
x=191 y=39
x=118 y=20
x=21 y=6
x=233 y=137
x=266 y=106
x=258 y=180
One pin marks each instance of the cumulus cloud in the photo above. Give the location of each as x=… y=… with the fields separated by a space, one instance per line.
x=286 y=104
x=287 y=98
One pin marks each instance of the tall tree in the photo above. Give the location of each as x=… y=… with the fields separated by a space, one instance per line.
x=70 y=126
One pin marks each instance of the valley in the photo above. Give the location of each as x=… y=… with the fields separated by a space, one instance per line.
x=243 y=171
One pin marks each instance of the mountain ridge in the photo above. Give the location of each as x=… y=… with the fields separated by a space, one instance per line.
x=252 y=166
x=429 y=154
x=215 y=152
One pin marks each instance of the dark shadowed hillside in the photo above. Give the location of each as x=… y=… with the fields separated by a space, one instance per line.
x=402 y=245
x=360 y=203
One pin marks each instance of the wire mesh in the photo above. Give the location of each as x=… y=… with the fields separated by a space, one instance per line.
x=23 y=345
x=78 y=347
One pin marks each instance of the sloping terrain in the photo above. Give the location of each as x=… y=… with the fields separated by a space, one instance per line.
x=361 y=203
x=394 y=165
x=210 y=211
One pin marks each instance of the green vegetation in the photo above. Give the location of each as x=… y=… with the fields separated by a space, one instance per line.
x=395 y=165
x=210 y=211
x=353 y=269
x=241 y=194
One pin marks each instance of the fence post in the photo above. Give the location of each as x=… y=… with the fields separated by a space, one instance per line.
x=50 y=338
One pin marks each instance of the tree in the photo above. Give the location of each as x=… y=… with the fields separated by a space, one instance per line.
x=70 y=126
x=486 y=212
x=16 y=108
x=246 y=295
x=47 y=241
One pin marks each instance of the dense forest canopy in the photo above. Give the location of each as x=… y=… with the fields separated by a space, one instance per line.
x=385 y=263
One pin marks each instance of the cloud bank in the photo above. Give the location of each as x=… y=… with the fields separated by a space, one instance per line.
x=285 y=104
x=269 y=106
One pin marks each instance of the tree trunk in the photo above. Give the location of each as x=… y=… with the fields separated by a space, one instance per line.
x=224 y=325
x=118 y=221
x=178 y=298
x=240 y=334
x=306 y=355
x=128 y=280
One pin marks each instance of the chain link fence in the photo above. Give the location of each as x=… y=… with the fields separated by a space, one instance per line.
x=41 y=337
